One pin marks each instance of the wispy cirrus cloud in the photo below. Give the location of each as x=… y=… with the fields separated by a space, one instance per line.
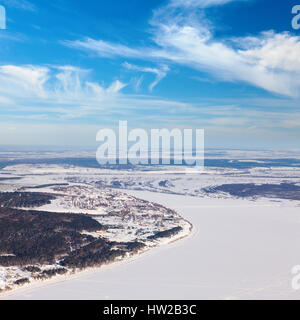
x=67 y=92
x=57 y=86
x=104 y=48
x=268 y=60
x=20 y=4
x=44 y=103
x=159 y=72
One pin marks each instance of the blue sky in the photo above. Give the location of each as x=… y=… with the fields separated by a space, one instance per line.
x=69 y=68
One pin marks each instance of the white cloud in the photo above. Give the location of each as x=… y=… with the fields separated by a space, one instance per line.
x=160 y=73
x=116 y=87
x=66 y=92
x=137 y=82
x=187 y=45
x=270 y=60
x=63 y=94
x=273 y=51
x=104 y=48
x=57 y=86
x=20 y=4
x=22 y=81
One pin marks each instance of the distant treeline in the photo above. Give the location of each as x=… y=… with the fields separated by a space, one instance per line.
x=9 y=178
x=166 y=233
x=288 y=191
x=24 y=199
x=47 y=185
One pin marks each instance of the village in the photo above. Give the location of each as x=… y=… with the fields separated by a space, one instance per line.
x=127 y=226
